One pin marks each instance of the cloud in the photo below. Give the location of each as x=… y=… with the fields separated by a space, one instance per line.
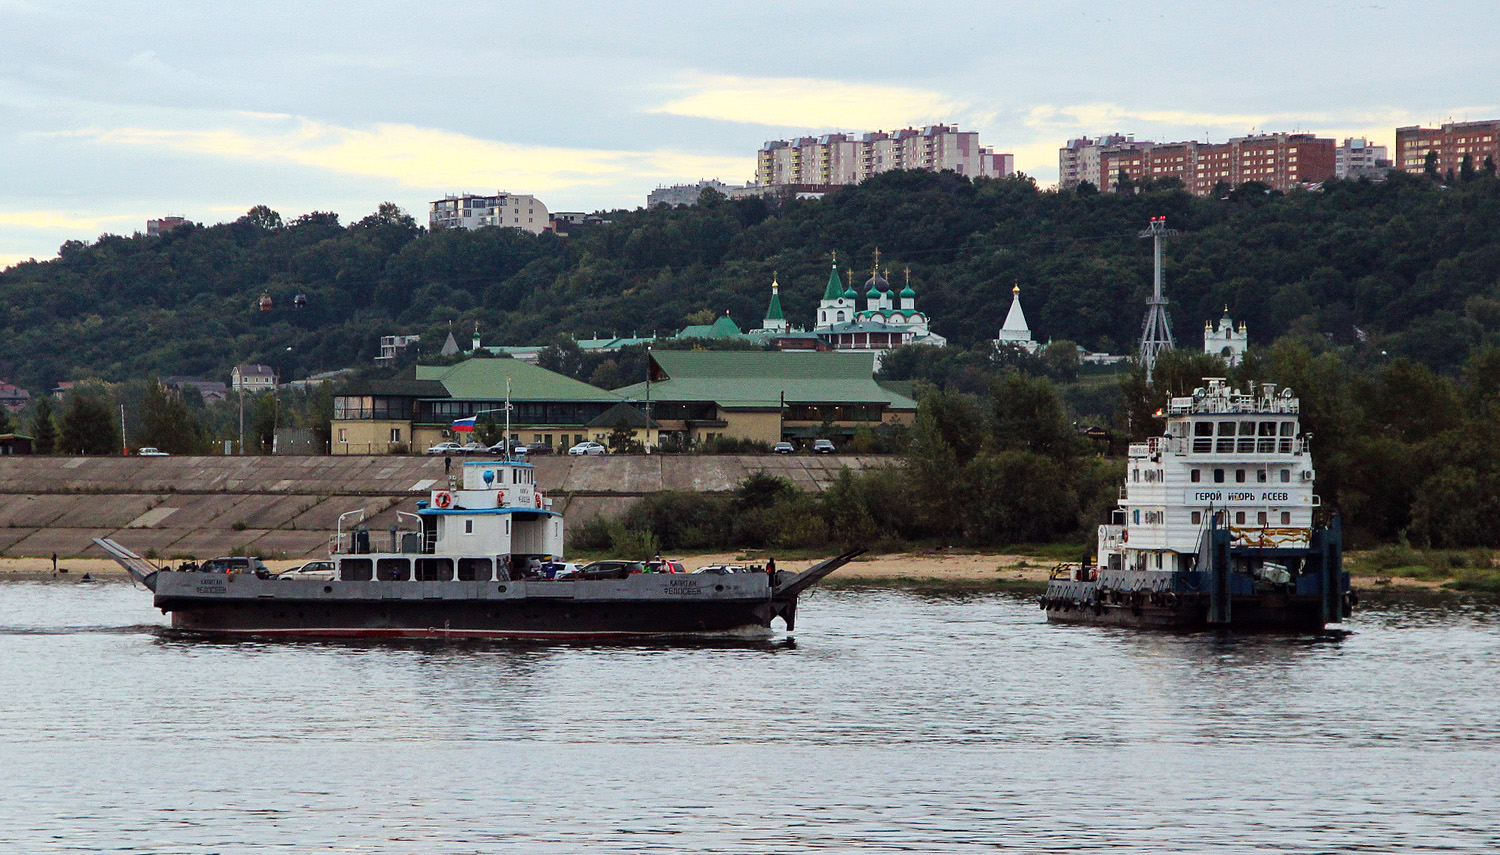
x=57 y=221
x=414 y=156
x=798 y=102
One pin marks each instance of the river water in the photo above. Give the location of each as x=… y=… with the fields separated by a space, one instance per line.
x=890 y=722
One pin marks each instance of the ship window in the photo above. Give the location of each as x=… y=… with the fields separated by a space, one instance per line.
x=1203 y=433
x=434 y=569
x=1286 y=517
x=1195 y=476
x=1225 y=444
x=1286 y=476
x=393 y=570
x=1239 y=476
x=1247 y=437
x=1197 y=517
x=473 y=569
x=1135 y=475
x=355 y=569
x=1137 y=515
x=468 y=526
x=1239 y=517
x=1261 y=518
x=1260 y=475
x=1218 y=476
x=1286 y=428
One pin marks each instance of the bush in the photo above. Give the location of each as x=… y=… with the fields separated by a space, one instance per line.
x=681 y=520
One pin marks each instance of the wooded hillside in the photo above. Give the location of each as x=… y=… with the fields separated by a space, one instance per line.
x=1412 y=264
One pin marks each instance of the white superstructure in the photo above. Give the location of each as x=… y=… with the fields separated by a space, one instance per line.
x=1229 y=459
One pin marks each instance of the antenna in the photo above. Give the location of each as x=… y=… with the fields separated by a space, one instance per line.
x=1156 y=331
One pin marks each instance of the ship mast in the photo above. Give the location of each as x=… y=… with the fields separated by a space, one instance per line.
x=1156 y=331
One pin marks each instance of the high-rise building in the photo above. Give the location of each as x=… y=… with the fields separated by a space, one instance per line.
x=1357 y=158
x=507 y=210
x=1280 y=161
x=687 y=194
x=1079 y=159
x=835 y=159
x=1450 y=144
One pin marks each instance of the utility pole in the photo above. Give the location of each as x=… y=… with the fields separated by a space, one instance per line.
x=648 y=399
x=124 y=443
x=1156 y=332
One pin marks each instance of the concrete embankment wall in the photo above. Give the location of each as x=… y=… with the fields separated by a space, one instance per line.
x=288 y=506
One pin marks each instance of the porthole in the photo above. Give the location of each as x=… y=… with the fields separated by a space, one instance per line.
x=718 y=587
x=502 y=589
x=327 y=589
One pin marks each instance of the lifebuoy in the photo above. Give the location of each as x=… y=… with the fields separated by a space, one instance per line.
x=501 y=498
x=1125 y=536
x=539 y=500
x=442 y=499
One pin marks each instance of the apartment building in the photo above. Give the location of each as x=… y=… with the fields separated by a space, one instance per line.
x=839 y=159
x=1451 y=143
x=1280 y=161
x=1357 y=158
x=1079 y=159
x=506 y=210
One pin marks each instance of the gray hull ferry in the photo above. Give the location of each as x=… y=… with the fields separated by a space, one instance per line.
x=1215 y=527
x=464 y=567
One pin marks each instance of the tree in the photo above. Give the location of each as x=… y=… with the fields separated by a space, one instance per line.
x=5 y=423
x=1429 y=165
x=87 y=426
x=1030 y=417
x=167 y=423
x=1489 y=166
x=1086 y=188
x=43 y=428
x=1466 y=171
x=622 y=438
x=262 y=217
x=1123 y=184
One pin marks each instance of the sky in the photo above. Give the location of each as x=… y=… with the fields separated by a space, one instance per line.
x=112 y=113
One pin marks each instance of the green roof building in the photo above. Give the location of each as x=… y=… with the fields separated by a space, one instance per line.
x=766 y=395
x=418 y=410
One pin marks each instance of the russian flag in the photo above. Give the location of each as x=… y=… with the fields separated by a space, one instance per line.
x=464 y=425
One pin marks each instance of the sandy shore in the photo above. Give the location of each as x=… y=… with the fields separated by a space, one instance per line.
x=950 y=567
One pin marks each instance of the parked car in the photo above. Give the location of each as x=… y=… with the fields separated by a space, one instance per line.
x=823 y=446
x=515 y=448
x=783 y=448
x=472 y=448
x=611 y=569
x=446 y=448
x=148 y=451
x=665 y=565
x=236 y=564
x=723 y=569
x=588 y=448
x=310 y=570
x=534 y=448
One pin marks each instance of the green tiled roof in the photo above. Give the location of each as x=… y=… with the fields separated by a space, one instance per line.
x=611 y=417
x=484 y=380
x=773 y=311
x=749 y=379
x=723 y=327
x=835 y=288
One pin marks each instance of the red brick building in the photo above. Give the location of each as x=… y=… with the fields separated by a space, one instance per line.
x=1280 y=161
x=1451 y=142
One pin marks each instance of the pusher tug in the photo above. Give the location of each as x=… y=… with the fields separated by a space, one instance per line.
x=1215 y=527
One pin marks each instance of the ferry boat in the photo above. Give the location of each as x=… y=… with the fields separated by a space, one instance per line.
x=464 y=565
x=1215 y=526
